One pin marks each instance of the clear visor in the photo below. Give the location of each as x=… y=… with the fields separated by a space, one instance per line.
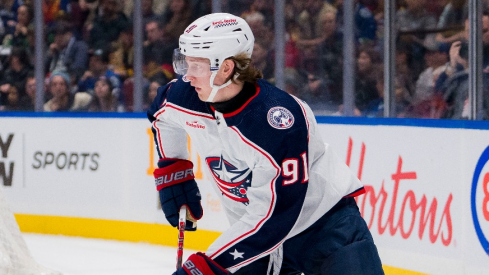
x=192 y=66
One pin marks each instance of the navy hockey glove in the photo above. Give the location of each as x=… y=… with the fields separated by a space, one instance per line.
x=177 y=187
x=199 y=263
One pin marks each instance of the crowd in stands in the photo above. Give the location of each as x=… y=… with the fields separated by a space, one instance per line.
x=89 y=53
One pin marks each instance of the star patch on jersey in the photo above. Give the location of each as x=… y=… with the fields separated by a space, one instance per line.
x=280 y=118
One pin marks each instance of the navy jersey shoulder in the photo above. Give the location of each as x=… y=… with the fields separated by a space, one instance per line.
x=180 y=93
x=271 y=119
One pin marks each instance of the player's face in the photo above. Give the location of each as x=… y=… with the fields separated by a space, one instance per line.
x=199 y=73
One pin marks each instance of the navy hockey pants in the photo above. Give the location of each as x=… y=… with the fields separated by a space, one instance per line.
x=338 y=243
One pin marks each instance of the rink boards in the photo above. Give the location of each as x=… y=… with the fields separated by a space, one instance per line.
x=427 y=182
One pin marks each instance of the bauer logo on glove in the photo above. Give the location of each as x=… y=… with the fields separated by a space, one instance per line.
x=174 y=178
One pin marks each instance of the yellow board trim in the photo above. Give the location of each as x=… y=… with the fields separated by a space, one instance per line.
x=131 y=231
x=114 y=230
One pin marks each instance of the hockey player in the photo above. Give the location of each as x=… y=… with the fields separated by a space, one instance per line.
x=288 y=197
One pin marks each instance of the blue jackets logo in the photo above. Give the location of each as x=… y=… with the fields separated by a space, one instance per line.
x=280 y=118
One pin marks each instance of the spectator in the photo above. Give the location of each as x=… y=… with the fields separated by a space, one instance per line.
x=452 y=18
x=8 y=14
x=309 y=22
x=331 y=56
x=256 y=21
x=365 y=84
x=122 y=55
x=262 y=59
x=294 y=83
x=176 y=19
x=79 y=13
x=16 y=73
x=62 y=99
x=28 y=101
x=104 y=99
x=456 y=86
x=54 y=10
x=159 y=46
x=435 y=63
x=151 y=92
x=10 y=101
x=263 y=7
x=317 y=95
x=148 y=13
x=375 y=108
x=365 y=23
x=24 y=21
x=158 y=7
x=108 y=25
x=415 y=17
x=311 y=32
x=66 y=53
x=97 y=67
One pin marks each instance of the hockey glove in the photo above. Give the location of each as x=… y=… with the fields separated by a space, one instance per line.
x=200 y=264
x=177 y=187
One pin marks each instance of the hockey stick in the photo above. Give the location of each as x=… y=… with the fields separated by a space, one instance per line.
x=181 y=232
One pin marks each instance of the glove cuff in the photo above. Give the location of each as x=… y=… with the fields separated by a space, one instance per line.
x=180 y=171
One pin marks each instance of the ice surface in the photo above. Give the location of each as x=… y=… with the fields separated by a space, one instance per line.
x=83 y=256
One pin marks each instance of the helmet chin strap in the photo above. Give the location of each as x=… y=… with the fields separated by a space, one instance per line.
x=215 y=88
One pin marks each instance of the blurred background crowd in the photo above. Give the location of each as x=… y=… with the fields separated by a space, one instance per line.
x=89 y=53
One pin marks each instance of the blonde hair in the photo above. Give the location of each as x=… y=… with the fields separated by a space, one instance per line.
x=245 y=69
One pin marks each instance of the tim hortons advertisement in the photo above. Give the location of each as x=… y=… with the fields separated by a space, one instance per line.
x=427 y=197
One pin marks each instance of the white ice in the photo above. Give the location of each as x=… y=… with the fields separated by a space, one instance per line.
x=83 y=256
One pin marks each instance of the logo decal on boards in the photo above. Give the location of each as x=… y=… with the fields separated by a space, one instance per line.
x=280 y=118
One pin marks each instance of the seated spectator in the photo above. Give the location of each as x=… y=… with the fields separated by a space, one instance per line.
x=28 y=101
x=54 y=10
x=159 y=46
x=311 y=32
x=8 y=15
x=122 y=55
x=375 y=108
x=435 y=63
x=263 y=60
x=66 y=53
x=294 y=83
x=452 y=18
x=61 y=97
x=150 y=92
x=412 y=18
x=263 y=7
x=365 y=84
x=16 y=73
x=176 y=18
x=317 y=95
x=309 y=22
x=365 y=23
x=148 y=13
x=152 y=72
x=455 y=88
x=24 y=21
x=97 y=67
x=157 y=7
x=331 y=56
x=104 y=99
x=107 y=25
x=257 y=24
x=11 y=100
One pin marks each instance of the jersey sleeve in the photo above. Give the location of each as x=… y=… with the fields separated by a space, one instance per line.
x=169 y=137
x=278 y=157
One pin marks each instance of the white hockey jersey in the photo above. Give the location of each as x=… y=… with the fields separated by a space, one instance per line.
x=275 y=173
